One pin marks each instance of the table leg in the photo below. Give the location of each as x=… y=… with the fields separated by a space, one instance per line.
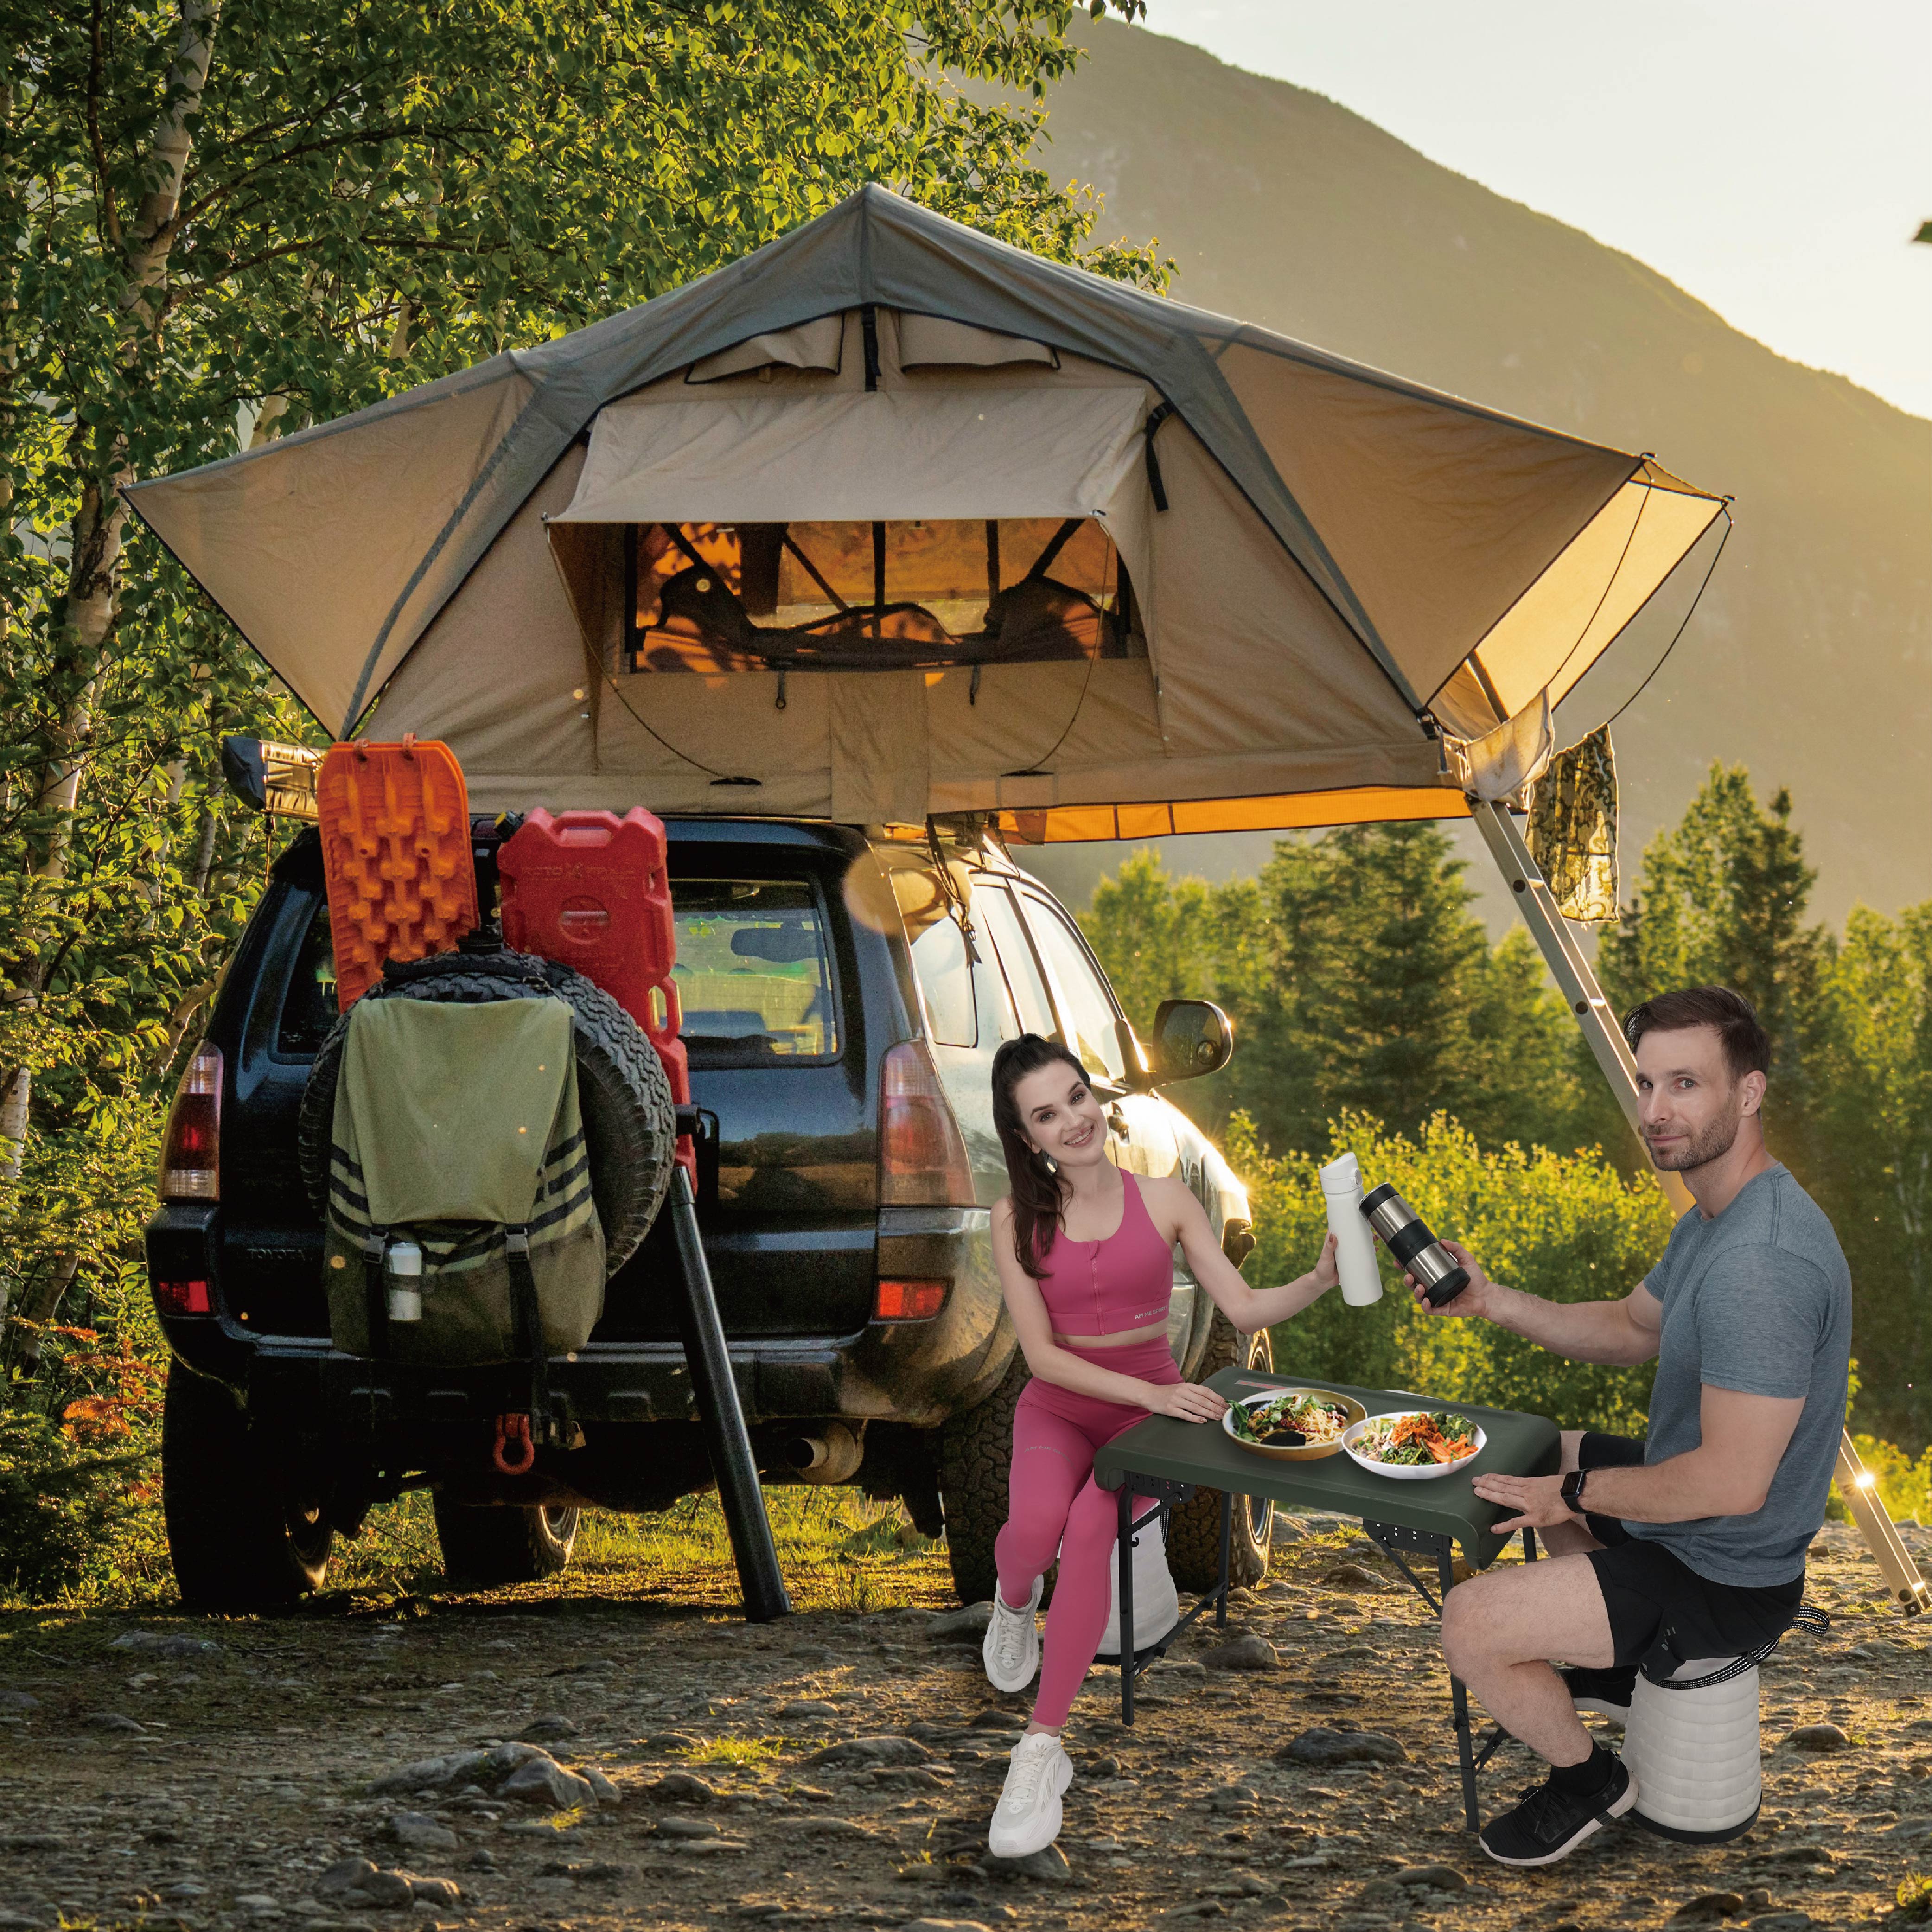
x=1459 y=1700
x=1124 y=1552
x=1528 y=1544
x=1227 y=1552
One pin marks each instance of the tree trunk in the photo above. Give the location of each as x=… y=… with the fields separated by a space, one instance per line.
x=88 y=609
x=20 y=1347
x=16 y=1094
x=204 y=851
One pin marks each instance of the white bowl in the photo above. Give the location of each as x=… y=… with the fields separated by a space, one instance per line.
x=1406 y=1472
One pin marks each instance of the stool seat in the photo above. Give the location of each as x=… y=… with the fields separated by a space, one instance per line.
x=1693 y=1747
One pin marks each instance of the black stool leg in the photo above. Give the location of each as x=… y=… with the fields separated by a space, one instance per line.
x=1459 y=1701
x=1528 y=1544
x=1124 y=1552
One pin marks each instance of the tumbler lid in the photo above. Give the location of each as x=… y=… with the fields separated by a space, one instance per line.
x=1376 y=1196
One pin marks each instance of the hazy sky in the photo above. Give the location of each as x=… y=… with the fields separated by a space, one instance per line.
x=1774 y=158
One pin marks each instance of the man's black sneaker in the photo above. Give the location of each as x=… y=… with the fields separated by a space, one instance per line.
x=1608 y=1693
x=1550 y=1823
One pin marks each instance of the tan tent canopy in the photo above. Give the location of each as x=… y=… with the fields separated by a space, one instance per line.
x=890 y=519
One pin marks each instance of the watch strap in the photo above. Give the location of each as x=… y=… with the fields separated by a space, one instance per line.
x=1573 y=1490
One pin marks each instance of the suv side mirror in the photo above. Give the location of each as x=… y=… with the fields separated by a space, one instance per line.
x=1191 y=1038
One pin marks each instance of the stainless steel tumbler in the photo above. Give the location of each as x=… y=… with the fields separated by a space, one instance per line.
x=1406 y=1236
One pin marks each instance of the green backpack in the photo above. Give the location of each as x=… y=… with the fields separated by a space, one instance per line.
x=461 y=1227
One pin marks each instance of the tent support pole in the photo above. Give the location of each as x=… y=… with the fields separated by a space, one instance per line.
x=1576 y=982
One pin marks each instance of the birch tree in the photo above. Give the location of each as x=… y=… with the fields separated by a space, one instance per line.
x=225 y=219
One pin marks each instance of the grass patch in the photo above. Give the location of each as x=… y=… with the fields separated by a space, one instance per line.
x=746 y=1754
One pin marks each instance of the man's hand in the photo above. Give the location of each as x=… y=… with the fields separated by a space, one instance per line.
x=1477 y=1298
x=1187 y=1401
x=1538 y=1500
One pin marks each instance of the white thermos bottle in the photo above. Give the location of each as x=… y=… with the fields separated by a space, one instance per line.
x=403 y=1265
x=1355 y=1245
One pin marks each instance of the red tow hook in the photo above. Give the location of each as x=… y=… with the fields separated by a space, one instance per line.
x=513 y=1433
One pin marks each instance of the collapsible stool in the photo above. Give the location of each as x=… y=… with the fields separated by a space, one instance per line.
x=1691 y=1742
x=1157 y=1601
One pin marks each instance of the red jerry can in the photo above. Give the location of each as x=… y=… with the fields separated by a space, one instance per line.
x=589 y=888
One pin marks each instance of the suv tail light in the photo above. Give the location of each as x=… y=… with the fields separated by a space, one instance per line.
x=922 y=1158
x=191 y=1147
x=909 y=1300
x=183 y=1298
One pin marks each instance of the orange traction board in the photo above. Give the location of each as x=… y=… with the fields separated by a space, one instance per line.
x=395 y=852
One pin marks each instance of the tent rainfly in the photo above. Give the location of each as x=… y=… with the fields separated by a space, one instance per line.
x=890 y=520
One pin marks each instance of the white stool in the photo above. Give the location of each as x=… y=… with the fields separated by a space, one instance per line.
x=1691 y=1743
x=1157 y=1601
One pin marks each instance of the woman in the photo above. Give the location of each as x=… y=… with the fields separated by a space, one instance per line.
x=1085 y=1256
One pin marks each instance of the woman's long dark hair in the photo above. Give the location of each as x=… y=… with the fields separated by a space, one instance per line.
x=1036 y=1188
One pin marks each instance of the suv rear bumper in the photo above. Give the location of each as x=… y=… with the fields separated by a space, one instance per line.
x=953 y=1361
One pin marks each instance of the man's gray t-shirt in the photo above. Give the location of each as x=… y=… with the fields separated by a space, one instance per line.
x=1757 y=1299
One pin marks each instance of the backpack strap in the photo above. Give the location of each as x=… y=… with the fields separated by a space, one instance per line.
x=375 y=1290
x=528 y=1319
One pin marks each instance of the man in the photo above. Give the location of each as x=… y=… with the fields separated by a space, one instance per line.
x=1695 y=1539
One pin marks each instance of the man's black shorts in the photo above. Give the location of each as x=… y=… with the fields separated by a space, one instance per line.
x=1654 y=1597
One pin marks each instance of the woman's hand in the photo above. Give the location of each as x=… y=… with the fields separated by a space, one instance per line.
x=1185 y=1401
x=1326 y=1274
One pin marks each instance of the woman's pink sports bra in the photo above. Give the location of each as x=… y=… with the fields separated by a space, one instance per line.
x=1103 y=1287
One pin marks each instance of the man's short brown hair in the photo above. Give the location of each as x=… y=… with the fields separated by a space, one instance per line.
x=1746 y=1045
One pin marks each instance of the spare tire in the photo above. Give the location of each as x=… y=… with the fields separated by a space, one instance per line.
x=630 y=1121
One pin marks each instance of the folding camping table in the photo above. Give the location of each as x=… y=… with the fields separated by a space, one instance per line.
x=1169 y=1460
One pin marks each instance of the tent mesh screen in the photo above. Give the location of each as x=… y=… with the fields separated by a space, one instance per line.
x=888 y=596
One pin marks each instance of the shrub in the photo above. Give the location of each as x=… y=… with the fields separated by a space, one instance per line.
x=59 y=1505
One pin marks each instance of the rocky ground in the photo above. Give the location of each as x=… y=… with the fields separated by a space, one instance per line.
x=568 y=1761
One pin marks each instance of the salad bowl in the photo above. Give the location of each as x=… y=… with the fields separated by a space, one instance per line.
x=1309 y=1451
x=1368 y=1443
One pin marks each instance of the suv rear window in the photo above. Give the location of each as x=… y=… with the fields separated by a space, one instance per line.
x=753 y=976
x=309 y=1009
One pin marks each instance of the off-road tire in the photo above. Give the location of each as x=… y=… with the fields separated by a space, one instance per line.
x=975 y=1450
x=630 y=1121
x=236 y=1542
x=1194 y=1541
x=487 y=1547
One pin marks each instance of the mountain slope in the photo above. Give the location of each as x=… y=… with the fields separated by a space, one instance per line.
x=1808 y=660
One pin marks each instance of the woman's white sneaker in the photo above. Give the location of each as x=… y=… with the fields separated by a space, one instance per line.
x=1011 y=1646
x=1026 y=1818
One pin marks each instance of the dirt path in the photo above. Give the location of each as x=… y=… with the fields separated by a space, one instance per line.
x=243 y=1796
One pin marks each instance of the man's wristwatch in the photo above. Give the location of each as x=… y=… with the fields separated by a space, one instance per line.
x=1573 y=1490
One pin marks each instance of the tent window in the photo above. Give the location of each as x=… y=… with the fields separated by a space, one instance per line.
x=889 y=596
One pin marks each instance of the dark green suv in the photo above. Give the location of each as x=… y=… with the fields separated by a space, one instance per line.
x=843 y=995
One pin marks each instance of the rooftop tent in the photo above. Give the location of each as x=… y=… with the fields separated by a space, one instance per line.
x=889 y=519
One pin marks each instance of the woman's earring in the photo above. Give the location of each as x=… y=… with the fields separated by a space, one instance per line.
x=1047 y=1161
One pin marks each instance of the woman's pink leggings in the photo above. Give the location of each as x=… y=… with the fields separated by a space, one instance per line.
x=1054 y=1503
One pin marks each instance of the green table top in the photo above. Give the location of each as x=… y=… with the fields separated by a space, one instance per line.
x=1205 y=1453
